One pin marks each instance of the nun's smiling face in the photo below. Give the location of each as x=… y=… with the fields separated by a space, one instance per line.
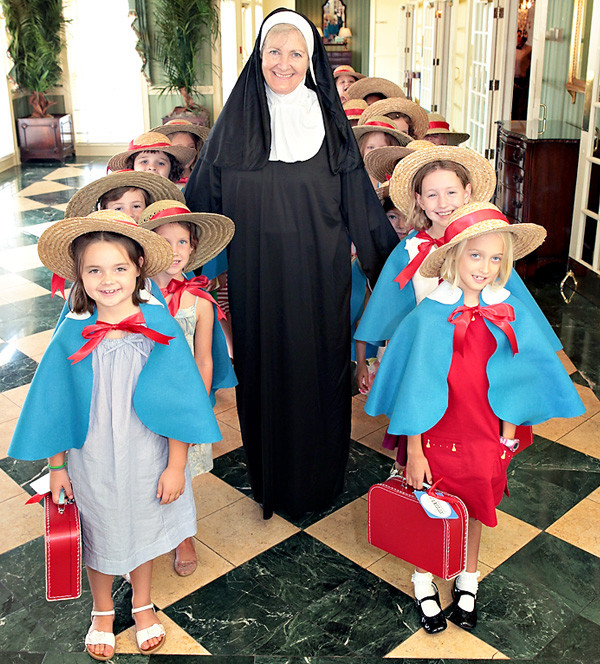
x=284 y=60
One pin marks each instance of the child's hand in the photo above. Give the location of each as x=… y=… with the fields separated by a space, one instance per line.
x=171 y=485
x=59 y=479
x=417 y=471
x=362 y=377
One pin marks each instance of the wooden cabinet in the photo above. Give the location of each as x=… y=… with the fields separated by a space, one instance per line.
x=46 y=138
x=338 y=57
x=536 y=184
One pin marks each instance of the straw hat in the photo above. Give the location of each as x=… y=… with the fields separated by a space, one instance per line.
x=380 y=163
x=475 y=219
x=354 y=108
x=54 y=246
x=438 y=125
x=370 y=85
x=418 y=115
x=348 y=70
x=383 y=191
x=381 y=123
x=151 y=140
x=175 y=126
x=481 y=173
x=214 y=230
x=86 y=199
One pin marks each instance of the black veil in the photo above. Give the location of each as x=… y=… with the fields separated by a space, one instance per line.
x=241 y=136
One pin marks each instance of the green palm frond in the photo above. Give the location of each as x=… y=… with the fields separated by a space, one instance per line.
x=35 y=40
x=182 y=27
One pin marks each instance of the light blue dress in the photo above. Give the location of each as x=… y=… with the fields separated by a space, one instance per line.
x=115 y=474
x=200 y=458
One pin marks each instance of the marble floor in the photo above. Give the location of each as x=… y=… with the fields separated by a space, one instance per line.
x=310 y=590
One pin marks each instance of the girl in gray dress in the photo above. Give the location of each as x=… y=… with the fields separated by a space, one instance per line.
x=115 y=404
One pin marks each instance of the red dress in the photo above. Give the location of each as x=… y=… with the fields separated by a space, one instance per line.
x=464 y=448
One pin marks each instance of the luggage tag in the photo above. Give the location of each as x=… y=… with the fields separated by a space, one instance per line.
x=434 y=507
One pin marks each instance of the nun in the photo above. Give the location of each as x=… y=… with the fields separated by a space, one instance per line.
x=282 y=162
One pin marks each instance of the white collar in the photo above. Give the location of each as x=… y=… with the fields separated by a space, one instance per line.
x=446 y=293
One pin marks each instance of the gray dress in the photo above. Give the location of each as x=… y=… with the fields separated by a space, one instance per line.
x=115 y=473
x=200 y=458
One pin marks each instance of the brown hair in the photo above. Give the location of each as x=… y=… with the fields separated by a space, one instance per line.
x=449 y=270
x=389 y=140
x=396 y=115
x=416 y=216
x=79 y=300
x=176 y=168
x=117 y=193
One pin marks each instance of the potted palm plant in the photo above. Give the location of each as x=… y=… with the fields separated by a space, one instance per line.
x=183 y=29
x=35 y=30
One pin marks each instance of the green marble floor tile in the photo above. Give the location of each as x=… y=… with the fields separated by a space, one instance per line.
x=22 y=572
x=198 y=659
x=24 y=472
x=42 y=277
x=21 y=658
x=567 y=572
x=592 y=611
x=21 y=632
x=21 y=319
x=18 y=239
x=518 y=618
x=548 y=481
x=16 y=368
x=39 y=216
x=578 y=643
x=54 y=197
x=8 y=603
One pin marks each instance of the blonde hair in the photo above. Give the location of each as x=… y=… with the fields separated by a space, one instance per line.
x=416 y=215
x=449 y=268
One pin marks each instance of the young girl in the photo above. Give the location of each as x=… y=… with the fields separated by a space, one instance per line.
x=153 y=152
x=195 y=238
x=353 y=108
x=407 y=115
x=427 y=186
x=344 y=76
x=439 y=132
x=128 y=191
x=115 y=404
x=182 y=132
x=460 y=399
x=376 y=133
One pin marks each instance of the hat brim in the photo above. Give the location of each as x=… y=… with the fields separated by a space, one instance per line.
x=402 y=138
x=215 y=232
x=85 y=200
x=183 y=155
x=380 y=163
x=526 y=238
x=198 y=130
x=481 y=173
x=454 y=137
x=370 y=85
x=354 y=74
x=383 y=191
x=418 y=115
x=54 y=245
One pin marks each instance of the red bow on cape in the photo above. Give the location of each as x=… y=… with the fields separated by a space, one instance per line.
x=194 y=286
x=423 y=251
x=133 y=324
x=500 y=315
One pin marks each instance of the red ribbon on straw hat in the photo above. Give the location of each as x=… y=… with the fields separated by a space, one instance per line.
x=423 y=251
x=194 y=286
x=150 y=146
x=133 y=324
x=439 y=125
x=500 y=315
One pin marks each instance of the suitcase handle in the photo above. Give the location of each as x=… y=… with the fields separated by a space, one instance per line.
x=62 y=501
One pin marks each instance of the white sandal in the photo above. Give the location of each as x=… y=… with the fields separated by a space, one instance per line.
x=99 y=638
x=153 y=632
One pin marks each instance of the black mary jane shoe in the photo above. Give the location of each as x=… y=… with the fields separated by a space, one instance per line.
x=431 y=624
x=464 y=619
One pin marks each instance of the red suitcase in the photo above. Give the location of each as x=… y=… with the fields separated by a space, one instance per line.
x=399 y=525
x=63 y=550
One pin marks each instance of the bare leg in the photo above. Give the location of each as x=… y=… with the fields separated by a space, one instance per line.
x=101 y=587
x=475 y=528
x=141 y=578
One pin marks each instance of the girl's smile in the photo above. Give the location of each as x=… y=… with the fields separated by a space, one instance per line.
x=442 y=192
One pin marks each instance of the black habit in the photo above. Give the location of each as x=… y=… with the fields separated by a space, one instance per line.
x=289 y=285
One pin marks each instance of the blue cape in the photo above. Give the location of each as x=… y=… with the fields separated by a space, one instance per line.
x=389 y=304
x=411 y=386
x=357 y=304
x=170 y=398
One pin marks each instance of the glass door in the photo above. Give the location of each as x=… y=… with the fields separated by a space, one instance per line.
x=585 y=229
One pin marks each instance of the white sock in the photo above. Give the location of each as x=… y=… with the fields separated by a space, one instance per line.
x=467 y=581
x=423 y=582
